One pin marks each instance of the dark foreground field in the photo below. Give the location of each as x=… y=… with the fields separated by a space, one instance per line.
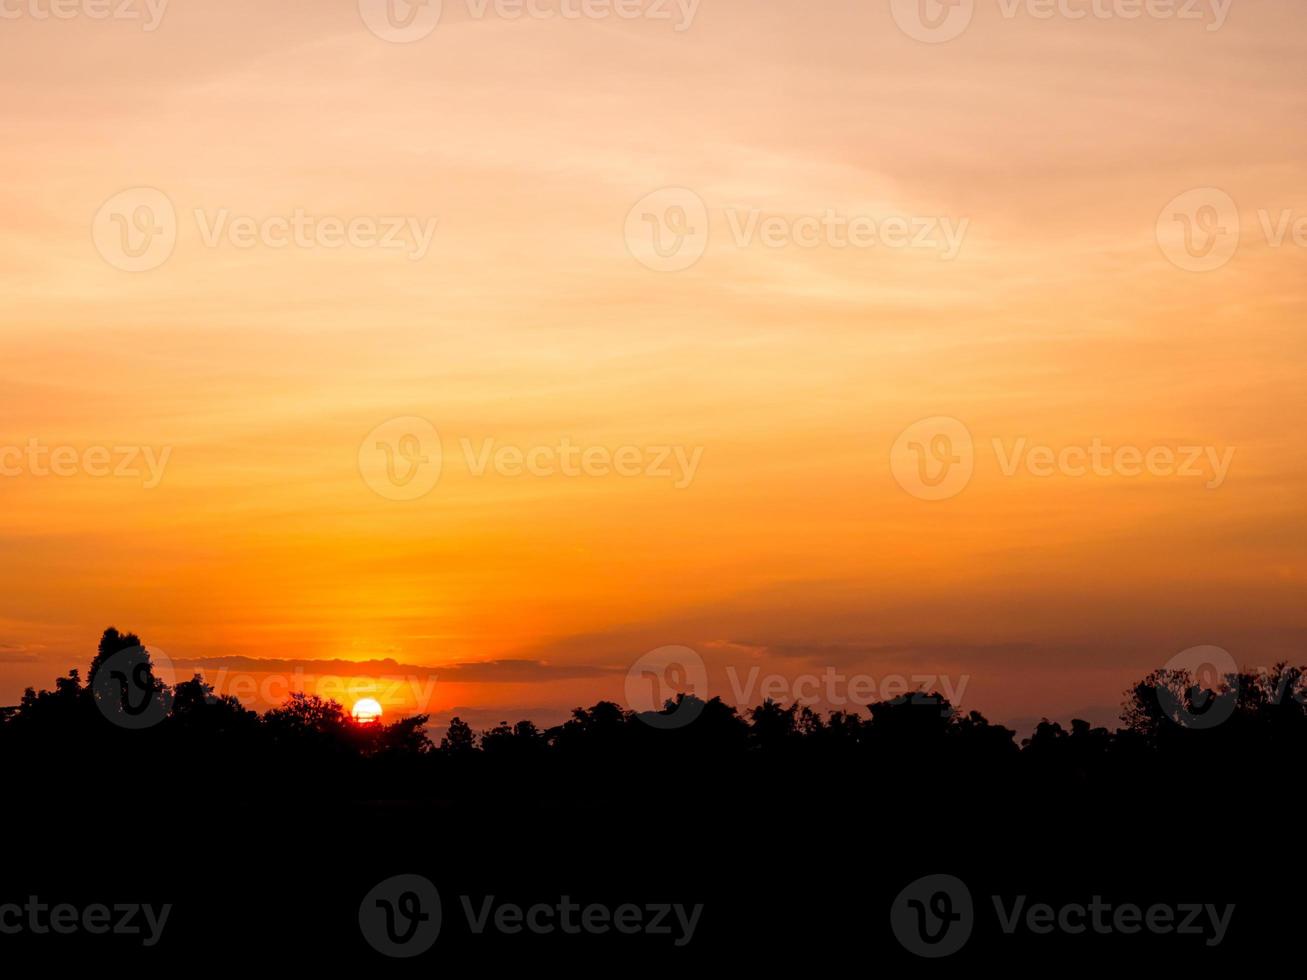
x=903 y=836
x=794 y=878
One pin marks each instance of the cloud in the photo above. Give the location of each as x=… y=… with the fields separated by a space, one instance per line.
x=14 y=653
x=839 y=654
x=476 y=672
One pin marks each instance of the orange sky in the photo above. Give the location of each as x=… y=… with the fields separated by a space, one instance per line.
x=791 y=371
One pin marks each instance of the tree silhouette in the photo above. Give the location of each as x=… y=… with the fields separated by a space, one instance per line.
x=111 y=642
x=908 y=746
x=460 y=739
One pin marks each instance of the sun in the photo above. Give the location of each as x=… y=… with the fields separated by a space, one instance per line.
x=366 y=711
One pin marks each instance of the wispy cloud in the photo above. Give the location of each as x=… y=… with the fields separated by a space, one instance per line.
x=478 y=672
x=14 y=653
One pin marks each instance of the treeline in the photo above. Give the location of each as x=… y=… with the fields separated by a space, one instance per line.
x=186 y=741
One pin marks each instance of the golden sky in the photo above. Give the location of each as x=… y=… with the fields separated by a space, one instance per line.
x=254 y=374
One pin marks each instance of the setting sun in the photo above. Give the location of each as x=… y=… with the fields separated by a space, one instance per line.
x=366 y=711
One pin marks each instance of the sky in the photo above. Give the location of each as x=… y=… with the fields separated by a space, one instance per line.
x=820 y=340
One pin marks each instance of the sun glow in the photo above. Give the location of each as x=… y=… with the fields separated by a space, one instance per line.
x=366 y=711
